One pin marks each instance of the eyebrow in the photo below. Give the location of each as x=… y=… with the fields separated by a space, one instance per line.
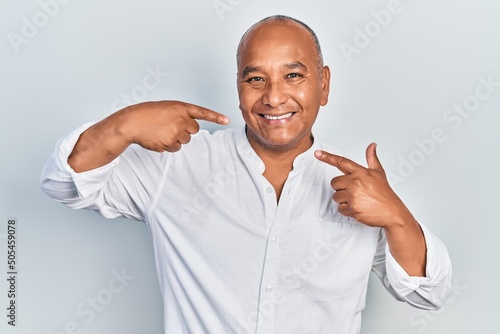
x=290 y=66
x=250 y=69
x=295 y=65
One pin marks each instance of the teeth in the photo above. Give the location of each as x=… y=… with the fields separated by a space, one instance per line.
x=278 y=117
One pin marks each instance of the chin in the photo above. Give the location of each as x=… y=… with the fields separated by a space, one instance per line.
x=279 y=144
x=277 y=139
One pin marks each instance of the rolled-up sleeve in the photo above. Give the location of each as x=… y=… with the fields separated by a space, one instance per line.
x=429 y=292
x=121 y=188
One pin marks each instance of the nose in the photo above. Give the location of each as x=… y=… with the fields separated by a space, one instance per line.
x=275 y=94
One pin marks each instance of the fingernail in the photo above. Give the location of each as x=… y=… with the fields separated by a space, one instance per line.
x=318 y=154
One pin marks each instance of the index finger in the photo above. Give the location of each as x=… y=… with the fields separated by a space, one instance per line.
x=205 y=114
x=345 y=165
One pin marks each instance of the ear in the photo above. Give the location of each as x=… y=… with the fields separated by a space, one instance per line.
x=325 y=85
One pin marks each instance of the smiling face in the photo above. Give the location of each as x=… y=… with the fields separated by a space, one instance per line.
x=281 y=86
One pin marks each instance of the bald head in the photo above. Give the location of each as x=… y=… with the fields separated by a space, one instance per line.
x=284 y=21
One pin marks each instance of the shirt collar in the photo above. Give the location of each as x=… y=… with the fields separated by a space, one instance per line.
x=252 y=159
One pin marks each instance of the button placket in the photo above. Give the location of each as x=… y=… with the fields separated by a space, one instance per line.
x=277 y=220
x=272 y=264
x=269 y=285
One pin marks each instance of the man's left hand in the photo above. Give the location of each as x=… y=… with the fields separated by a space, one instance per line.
x=364 y=193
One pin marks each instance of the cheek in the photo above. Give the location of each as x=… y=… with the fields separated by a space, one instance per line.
x=248 y=98
x=308 y=96
x=245 y=107
x=301 y=95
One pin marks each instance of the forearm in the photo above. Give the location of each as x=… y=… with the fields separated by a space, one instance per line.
x=407 y=245
x=100 y=144
x=156 y=126
x=61 y=182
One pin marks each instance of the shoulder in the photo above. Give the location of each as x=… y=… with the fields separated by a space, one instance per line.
x=330 y=149
x=218 y=135
x=219 y=138
x=326 y=170
x=204 y=144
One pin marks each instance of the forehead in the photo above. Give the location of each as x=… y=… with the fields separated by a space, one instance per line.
x=277 y=41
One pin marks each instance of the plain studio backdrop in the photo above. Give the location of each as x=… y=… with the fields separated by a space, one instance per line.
x=421 y=78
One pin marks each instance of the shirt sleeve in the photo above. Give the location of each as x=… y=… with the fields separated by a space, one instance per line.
x=429 y=292
x=125 y=187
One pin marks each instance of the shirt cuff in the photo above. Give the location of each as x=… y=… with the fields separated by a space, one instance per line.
x=87 y=182
x=437 y=268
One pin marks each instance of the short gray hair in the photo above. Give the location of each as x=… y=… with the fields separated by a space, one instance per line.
x=284 y=18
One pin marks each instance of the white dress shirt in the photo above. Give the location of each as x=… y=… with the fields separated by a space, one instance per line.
x=230 y=258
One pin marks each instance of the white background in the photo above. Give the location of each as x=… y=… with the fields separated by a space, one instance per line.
x=396 y=90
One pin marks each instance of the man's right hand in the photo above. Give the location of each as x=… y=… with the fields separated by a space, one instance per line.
x=158 y=126
x=166 y=125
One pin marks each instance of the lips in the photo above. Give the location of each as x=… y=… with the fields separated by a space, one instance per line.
x=277 y=117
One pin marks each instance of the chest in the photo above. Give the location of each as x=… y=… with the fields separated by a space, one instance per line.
x=233 y=210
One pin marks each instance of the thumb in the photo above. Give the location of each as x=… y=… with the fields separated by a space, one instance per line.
x=372 y=158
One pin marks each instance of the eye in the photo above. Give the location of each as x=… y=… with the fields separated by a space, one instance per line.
x=256 y=82
x=255 y=79
x=294 y=75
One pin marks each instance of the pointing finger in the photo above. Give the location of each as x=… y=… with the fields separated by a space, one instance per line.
x=205 y=114
x=345 y=165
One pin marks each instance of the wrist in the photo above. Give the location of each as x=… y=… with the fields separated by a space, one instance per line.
x=124 y=124
x=401 y=221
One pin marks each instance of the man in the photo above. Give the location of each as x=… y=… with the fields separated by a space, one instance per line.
x=255 y=230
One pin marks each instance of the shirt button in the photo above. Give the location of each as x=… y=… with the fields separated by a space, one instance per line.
x=269 y=288
x=269 y=189
x=259 y=164
x=275 y=239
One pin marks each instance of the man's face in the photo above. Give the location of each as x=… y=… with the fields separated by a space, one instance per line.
x=280 y=86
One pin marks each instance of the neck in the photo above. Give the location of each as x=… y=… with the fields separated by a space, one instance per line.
x=279 y=160
x=280 y=154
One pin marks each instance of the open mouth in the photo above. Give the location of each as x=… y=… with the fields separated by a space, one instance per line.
x=274 y=118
